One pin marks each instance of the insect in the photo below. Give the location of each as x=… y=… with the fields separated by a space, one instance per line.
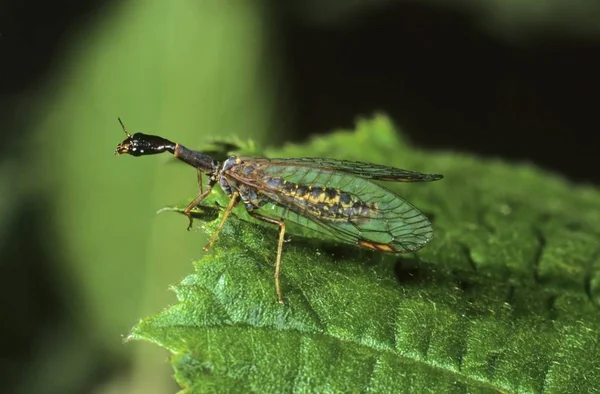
x=335 y=198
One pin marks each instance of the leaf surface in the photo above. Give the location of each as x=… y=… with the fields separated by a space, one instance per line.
x=504 y=299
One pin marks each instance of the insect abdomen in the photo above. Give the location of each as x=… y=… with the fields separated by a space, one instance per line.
x=327 y=203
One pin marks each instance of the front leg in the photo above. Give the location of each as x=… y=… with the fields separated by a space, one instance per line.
x=195 y=202
x=233 y=200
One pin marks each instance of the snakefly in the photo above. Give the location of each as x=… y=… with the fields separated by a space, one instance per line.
x=335 y=198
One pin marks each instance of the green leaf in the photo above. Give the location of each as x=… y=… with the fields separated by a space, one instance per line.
x=504 y=299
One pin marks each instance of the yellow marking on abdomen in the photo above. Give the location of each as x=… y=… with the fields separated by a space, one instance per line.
x=328 y=202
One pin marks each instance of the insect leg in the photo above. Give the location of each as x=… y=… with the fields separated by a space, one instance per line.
x=200 y=180
x=193 y=204
x=281 y=225
x=234 y=197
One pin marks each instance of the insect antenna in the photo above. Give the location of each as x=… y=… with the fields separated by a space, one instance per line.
x=123 y=127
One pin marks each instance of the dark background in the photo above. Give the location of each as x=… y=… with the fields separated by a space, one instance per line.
x=452 y=77
x=435 y=70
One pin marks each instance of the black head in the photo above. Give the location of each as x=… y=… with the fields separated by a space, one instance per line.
x=140 y=144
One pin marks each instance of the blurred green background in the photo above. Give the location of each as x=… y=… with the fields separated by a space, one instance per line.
x=84 y=252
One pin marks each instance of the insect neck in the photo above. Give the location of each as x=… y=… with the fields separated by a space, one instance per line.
x=196 y=159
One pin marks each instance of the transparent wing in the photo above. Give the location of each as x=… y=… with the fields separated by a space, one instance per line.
x=364 y=170
x=391 y=224
x=407 y=234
